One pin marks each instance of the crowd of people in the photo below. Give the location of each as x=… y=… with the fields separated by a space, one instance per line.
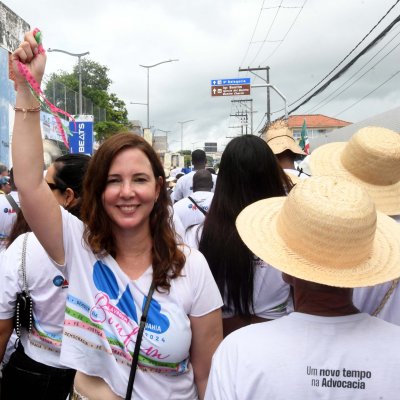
x=257 y=282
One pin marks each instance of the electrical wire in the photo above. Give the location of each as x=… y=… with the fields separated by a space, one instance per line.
x=372 y=91
x=284 y=37
x=348 y=65
x=331 y=96
x=347 y=56
x=268 y=32
x=254 y=31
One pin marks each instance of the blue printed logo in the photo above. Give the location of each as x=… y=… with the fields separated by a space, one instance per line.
x=105 y=281
x=58 y=280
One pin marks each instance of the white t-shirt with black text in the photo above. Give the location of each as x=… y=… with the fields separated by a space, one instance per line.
x=308 y=357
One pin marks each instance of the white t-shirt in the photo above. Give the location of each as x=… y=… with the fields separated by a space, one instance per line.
x=368 y=299
x=271 y=295
x=7 y=218
x=104 y=308
x=184 y=186
x=193 y=235
x=296 y=173
x=188 y=212
x=302 y=356
x=48 y=288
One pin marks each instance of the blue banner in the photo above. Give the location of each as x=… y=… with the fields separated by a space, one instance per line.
x=81 y=140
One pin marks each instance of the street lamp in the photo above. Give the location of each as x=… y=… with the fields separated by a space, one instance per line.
x=148 y=84
x=79 y=55
x=182 y=123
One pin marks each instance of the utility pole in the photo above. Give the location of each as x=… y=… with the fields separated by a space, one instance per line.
x=265 y=80
x=251 y=110
x=242 y=115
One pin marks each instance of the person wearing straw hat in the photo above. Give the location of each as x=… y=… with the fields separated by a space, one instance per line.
x=326 y=348
x=286 y=150
x=371 y=158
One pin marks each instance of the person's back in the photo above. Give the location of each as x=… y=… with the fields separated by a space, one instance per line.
x=303 y=356
x=252 y=290
x=184 y=186
x=193 y=209
x=326 y=349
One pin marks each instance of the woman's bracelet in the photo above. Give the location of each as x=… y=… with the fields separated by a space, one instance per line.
x=26 y=110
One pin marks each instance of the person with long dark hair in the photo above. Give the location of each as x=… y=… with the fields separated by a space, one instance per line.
x=36 y=361
x=123 y=248
x=252 y=290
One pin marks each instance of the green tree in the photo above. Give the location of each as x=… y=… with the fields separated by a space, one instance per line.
x=95 y=86
x=106 y=129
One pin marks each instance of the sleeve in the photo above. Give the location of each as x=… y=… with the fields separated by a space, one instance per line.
x=222 y=381
x=177 y=194
x=72 y=231
x=10 y=283
x=206 y=295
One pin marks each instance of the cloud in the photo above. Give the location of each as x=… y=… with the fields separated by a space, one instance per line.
x=211 y=39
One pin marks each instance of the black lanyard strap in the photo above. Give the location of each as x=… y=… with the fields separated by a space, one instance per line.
x=135 y=357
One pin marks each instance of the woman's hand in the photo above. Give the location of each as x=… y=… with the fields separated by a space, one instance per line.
x=28 y=54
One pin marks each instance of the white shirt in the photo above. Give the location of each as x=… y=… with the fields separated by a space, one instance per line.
x=184 y=186
x=103 y=310
x=48 y=288
x=302 y=356
x=7 y=218
x=188 y=212
x=368 y=299
x=271 y=294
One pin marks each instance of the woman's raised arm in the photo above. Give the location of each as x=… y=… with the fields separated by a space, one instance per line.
x=39 y=206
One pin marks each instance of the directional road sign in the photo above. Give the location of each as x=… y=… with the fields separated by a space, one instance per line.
x=231 y=81
x=230 y=90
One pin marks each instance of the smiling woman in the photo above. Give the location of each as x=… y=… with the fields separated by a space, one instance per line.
x=125 y=245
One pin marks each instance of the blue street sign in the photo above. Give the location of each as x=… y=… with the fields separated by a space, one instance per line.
x=231 y=81
x=81 y=140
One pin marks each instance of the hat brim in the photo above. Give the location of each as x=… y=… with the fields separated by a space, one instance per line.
x=282 y=143
x=256 y=225
x=326 y=160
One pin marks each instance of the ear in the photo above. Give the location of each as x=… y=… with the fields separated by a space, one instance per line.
x=159 y=185
x=69 y=196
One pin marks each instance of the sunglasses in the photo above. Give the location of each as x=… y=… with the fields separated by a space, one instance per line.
x=53 y=186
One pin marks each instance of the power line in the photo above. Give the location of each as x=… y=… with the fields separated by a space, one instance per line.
x=254 y=31
x=290 y=28
x=268 y=32
x=348 y=65
x=330 y=98
x=372 y=91
x=347 y=56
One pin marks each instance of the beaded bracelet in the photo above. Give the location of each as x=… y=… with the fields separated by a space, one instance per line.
x=25 y=110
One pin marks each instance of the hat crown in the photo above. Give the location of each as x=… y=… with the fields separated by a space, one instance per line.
x=336 y=233
x=373 y=155
x=281 y=139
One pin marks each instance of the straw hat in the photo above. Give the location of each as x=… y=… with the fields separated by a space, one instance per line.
x=371 y=158
x=326 y=231
x=281 y=139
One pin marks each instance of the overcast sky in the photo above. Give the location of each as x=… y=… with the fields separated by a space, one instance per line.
x=301 y=41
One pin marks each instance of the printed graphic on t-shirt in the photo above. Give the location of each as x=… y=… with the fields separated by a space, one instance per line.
x=342 y=378
x=115 y=319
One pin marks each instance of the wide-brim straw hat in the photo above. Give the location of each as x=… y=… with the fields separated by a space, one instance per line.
x=327 y=231
x=281 y=139
x=371 y=158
